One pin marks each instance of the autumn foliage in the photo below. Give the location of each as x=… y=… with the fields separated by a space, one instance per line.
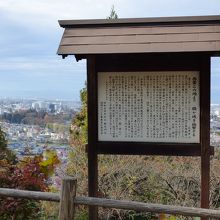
x=30 y=173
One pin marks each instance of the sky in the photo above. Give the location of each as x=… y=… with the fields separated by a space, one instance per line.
x=30 y=35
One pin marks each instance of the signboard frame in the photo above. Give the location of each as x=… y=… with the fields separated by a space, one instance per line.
x=148 y=62
x=145 y=62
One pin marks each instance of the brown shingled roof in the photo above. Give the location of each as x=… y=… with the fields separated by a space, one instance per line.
x=140 y=35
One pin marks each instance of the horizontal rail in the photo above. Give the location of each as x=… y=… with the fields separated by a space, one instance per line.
x=25 y=194
x=147 y=207
x=112 y=203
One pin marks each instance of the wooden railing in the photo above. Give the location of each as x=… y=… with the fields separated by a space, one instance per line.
x=68 y=200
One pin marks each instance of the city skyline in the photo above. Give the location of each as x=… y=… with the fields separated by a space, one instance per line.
x=29 y=65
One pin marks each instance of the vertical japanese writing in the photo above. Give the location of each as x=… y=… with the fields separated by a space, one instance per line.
x=149 y=106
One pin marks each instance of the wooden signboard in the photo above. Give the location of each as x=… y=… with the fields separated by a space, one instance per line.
x=150 y=108
x=148 y=83
x=158 y=107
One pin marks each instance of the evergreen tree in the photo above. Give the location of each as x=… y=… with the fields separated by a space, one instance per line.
x=113 y=14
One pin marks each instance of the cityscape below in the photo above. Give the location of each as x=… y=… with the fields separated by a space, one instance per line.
x=34 y=126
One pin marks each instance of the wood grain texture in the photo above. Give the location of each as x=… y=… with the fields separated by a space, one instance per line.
x=202 y=46
x=205 y=132
x=68 y=193
x=140 y=39
x=92 y=134
x=141 y=30
x=148 y=207
x=153 y=38
x=25 y=194
x=111 y=203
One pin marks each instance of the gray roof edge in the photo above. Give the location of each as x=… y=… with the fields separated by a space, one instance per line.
x=138 y=21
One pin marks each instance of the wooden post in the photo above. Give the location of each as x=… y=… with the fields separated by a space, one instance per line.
x=68 y=193
x=92 y=134
x=205 y=132
x=93 y=182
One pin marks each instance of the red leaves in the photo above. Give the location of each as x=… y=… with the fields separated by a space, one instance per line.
x=25 y=175
x=28 y=176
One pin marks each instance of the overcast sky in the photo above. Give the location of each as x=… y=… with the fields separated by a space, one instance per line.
x=30 y=35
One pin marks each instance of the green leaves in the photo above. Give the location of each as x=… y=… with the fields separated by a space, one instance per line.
x=50 y=160
x=79 y=126
x=3 y=141
x=113 y=14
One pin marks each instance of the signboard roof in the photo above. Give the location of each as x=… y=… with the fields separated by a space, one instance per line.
x=139 y=21
x=141 y=35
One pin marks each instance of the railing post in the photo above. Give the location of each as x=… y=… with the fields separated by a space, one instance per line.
x=67 y=195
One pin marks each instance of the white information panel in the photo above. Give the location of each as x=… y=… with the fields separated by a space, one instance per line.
x=149 y=106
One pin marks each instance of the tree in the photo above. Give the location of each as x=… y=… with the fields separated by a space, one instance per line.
x=26 y=174
x=113 y=14
x=3 y=141
x=5 y=153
